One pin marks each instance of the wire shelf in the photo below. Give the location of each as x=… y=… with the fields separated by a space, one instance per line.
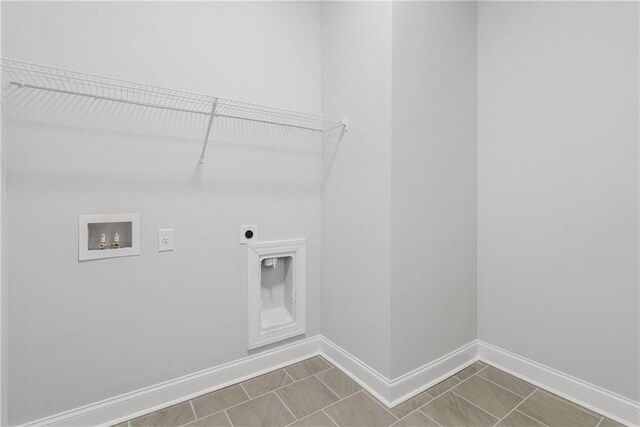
x=43 y=77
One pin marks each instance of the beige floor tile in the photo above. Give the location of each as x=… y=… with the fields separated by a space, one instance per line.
x=266 y=410
x=442 y=387
x=470 y=370
x=492 y=398
x=562 y=399
x=266 y=383
x=375 y=399
x=319 y=419
x=516 y=385
x=307 y=368
x=218 y=400
x=518 y=419
x=450 y=410
x=405 y=408
x=219 y=419
x=124 y=424
x=331 y=365
x=306 y=397
x=554 y=412
x=172 y=416
x=339 y=382
x=610 y=423
x=360 y=410
x=416 y=419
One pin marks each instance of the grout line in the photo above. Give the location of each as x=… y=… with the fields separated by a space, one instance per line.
x=452 y=387
x=501 y=386
x=431 y=399
x=327 y=415
x=529 y=416
x=289 y=376
x=281 y=387
x=516 y=407
x=285 y=405
x=483 y=410
x=567 y=401
x=205 y=417
x=475 y=373
x=245 y=391
x=228 y=417
x=244 y=401
x=294 y=382
x=307 y=416
x=504 y=388
x=600 y=422
x=430 y=418
x=418 y=410
x=327 y=385
x=324 y=370
x=542 y=390
x=382 y=406
x=193 y=409
x=335 y=403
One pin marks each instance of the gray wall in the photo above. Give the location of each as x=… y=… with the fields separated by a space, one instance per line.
x=82 y=332
x=356 y=77
x=399 y=195
x=433 y=182
x=558 y=186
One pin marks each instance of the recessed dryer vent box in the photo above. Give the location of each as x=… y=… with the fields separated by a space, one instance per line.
x=276 y=285
x=108 y=236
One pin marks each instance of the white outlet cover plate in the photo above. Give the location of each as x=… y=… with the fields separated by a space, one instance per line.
x=243 y=229
x=165 y=240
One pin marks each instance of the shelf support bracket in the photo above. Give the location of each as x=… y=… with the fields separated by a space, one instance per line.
x=206 y=136
x=345 y=129
x=345 y=124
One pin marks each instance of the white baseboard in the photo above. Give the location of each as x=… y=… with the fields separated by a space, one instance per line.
x=418 y=380
x=390 y=392
x=611 y=405
x=370 y=379
x=130 y=405
x=396 y=391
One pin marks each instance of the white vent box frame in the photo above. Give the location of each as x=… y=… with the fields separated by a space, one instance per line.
x=276 y=291
x=108 y=236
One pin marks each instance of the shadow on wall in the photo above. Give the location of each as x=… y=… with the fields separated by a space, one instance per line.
x=73 y=139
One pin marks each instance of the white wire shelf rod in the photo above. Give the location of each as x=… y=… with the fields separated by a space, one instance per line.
x=109 y=98
x=261 y=109
x=229 y=116
x=165 y=107
x=40 y=72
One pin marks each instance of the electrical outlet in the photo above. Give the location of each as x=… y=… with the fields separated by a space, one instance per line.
x=248 y=234
x=165 y=239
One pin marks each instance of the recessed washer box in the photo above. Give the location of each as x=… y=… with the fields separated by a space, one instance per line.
x=108 y=236
x=276 y=291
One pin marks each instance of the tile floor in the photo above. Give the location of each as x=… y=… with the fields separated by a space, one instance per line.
x=315 y=393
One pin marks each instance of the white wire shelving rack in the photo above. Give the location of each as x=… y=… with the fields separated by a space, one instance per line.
x=43 y=77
